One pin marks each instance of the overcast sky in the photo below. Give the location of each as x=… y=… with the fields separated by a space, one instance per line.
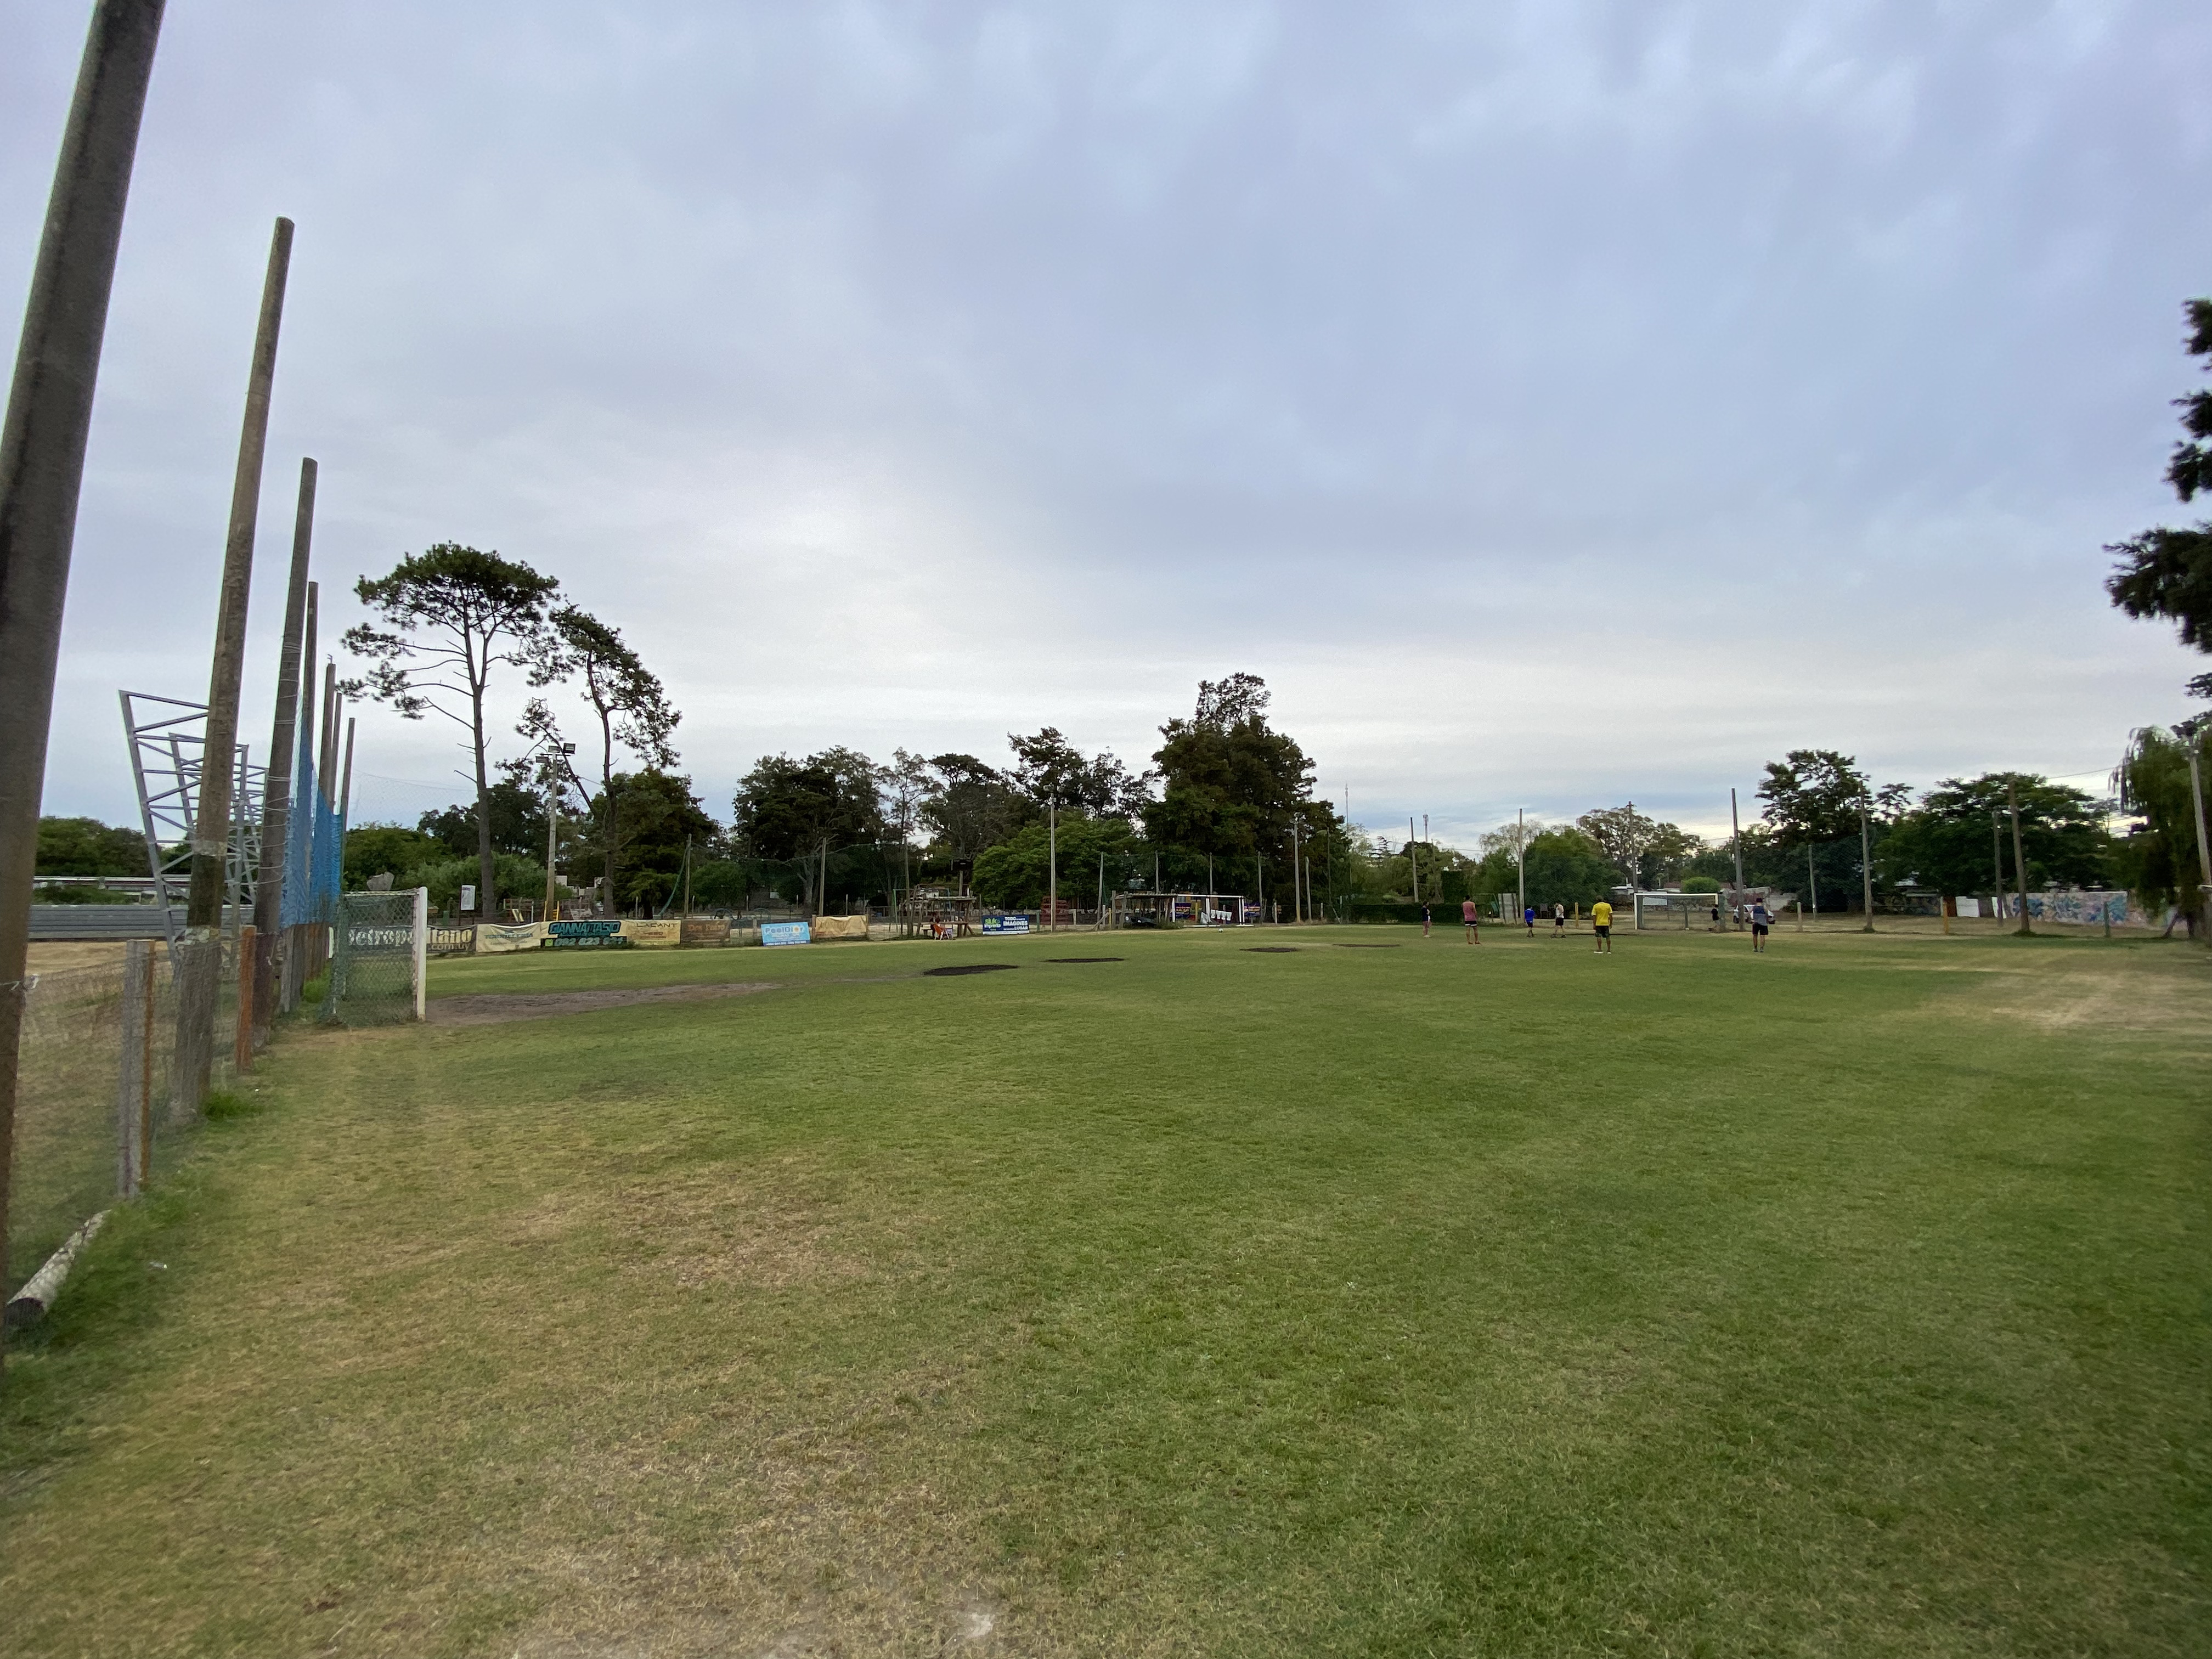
x=1558 y=403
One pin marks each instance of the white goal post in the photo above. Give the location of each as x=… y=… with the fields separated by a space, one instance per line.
x=1675 y=909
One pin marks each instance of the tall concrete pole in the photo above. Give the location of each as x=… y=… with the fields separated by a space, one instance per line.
x=42 y=443
x=211 y=827
x=277 y=793
x=1866 y=867
x=326 y=757
x=345 y=785
x=199 y=966
x=2203 y=857
x=1520 y=862
x=2019 y=857
x=1735 y=835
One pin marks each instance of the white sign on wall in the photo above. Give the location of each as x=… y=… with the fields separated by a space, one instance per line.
x=468 y=898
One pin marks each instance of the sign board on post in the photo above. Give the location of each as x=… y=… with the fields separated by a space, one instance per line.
x=469 y=897
x=785 y=932
x=1005 y=924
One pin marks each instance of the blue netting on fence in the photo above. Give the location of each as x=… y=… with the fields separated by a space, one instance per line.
x=314 y=852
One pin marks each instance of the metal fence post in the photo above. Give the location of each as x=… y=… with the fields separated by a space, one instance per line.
x=135 y=1075
x=421 y=952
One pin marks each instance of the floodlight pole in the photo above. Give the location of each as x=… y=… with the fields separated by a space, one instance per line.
x=42 y=444
x=277 y=777
x=1866 y=866
x=2019 y=857
x=1052 y=862
x=1413 y=857
x=195 y=996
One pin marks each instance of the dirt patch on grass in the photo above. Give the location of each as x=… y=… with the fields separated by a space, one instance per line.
x=969 y=968
x=497 y=1008
x=2165 y=993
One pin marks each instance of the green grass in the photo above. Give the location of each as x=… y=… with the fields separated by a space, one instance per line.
x=1378 y=1302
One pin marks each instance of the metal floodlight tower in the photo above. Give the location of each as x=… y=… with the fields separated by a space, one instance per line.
x=168 y=740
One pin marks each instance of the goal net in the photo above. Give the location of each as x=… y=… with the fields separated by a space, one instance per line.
x=1678 y=910
x=378 y=944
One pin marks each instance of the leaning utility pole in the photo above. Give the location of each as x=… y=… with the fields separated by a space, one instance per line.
x=276 y=792
x=2018 y=857
x=42 y=443
x=202 y=966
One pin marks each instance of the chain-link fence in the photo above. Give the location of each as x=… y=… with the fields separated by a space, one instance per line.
x=100 y=1101
x=376 y=960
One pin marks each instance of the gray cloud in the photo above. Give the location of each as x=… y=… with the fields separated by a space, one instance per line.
x=1556 y=403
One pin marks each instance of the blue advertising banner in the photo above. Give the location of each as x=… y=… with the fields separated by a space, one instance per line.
x=1005 y=924
x=786 y=932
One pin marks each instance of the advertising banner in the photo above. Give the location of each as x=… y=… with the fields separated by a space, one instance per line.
x=785 y=932
x=1005 y=924
x=494 y=937
x=706 y=930
x=584 y=935
x=653 y=933
x=841 y=927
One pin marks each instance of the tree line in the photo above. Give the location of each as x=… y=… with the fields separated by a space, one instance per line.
x=1227 y=802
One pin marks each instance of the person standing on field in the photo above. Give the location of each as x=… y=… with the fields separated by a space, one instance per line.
x=1472 y=917
x=1426 y=919
x=1601 y=921
x=1761 y=917
x=1559 y=920
x=1529 y=919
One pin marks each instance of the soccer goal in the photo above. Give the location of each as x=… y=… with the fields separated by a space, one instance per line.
x=1681 y=911
x=379 y=944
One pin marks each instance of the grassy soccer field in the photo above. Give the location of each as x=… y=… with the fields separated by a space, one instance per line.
x=1380 y=1301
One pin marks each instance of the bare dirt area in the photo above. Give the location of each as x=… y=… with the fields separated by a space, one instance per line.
x=498 y=1008
x=58 y=956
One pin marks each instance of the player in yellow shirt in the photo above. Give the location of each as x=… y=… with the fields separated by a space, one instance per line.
x=1602 y=919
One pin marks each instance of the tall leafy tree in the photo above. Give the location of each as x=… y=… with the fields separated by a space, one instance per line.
x=631 y=706
x=446 y=620
x=1817 y=794
x=86 y=847
x=1232 y=783
x=971 y=805
x=1049 y=768
x=2165 y=572
x=1017 y=872
x=1946 y=841
x=790 y=811
x=1640 y=847
x=2158 y=857
x=657 y=814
